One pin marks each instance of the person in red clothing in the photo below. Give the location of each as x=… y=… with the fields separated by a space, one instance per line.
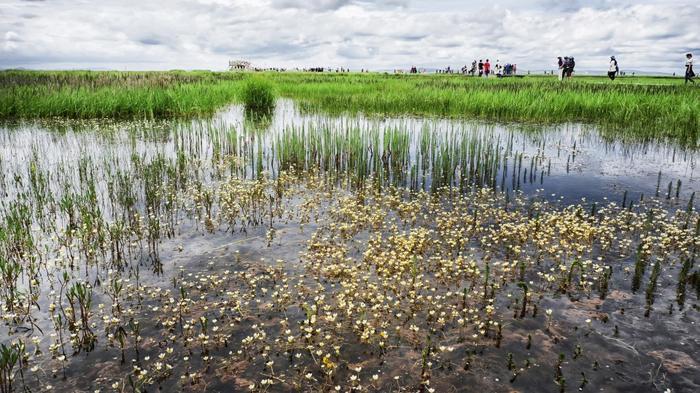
x=487 y=68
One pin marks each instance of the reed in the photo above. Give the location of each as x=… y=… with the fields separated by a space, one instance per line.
x=643 y=110
x=113 y=95
x=646 y=109
x=258 y=96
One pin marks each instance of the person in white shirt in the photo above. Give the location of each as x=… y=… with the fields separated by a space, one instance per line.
x=689 y=73
x=561 y=68
x=613 y=69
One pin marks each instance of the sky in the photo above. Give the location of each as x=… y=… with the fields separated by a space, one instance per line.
x=645 y=35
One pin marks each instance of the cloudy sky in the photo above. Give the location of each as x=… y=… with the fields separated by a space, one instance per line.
x=649 y=35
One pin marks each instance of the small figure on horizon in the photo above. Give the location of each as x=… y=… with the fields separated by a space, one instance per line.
x=613 y=69
x=487 y=68
x=561 y=68
x=569 y=65
x=689 y=73
x=481 y=68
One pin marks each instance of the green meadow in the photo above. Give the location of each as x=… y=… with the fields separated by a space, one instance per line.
x=645 y=107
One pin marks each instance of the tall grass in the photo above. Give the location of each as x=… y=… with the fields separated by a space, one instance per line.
x=113 y=94
x=644 y=109
x=258 y=95
x=182 y=100
x=638 y=107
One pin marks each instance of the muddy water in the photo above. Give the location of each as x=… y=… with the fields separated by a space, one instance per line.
x=607 y=345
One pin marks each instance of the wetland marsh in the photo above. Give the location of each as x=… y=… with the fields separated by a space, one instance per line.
x=320 y=251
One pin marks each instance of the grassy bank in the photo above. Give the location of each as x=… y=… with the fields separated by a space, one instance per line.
x=632 y=105
x=646 y=107
x=81 y=94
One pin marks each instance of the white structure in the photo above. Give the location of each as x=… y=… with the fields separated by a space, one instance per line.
x=239 y=65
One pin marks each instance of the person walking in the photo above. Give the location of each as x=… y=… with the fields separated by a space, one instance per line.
x=565 y=67
x=561 y=68
x=613 y=69
x=689 y=73
x=487 y=68
x=569 y=66
x=481 y=68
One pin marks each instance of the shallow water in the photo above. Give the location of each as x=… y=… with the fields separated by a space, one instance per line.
x=565 y=165
x=572 y=161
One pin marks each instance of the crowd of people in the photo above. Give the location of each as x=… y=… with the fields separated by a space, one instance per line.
x=486 y=69
x=297 y=69
x=480 y=68
x=566 y=67
x=326 y=69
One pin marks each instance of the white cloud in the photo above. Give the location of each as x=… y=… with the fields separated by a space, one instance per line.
x=147 y=34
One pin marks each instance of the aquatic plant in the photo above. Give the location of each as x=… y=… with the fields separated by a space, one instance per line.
x=11 y=359
x=258 y=96
x=683 y=278
x=332 y=254
x=10 y=272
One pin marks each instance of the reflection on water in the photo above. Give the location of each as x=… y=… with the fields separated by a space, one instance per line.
x=572 y=161
x=176 y=254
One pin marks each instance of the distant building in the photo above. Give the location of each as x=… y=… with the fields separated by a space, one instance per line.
x=239 y=65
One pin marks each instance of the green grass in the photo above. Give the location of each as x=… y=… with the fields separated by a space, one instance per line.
x=258 y=95
x=660 y=109
x=82 y=94
x=641 y=107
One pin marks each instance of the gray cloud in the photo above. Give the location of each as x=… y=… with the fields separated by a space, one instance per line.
x=326 y=5
x=150 y=41
x=149 y=34
x=575 y=5
x=318 y=5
